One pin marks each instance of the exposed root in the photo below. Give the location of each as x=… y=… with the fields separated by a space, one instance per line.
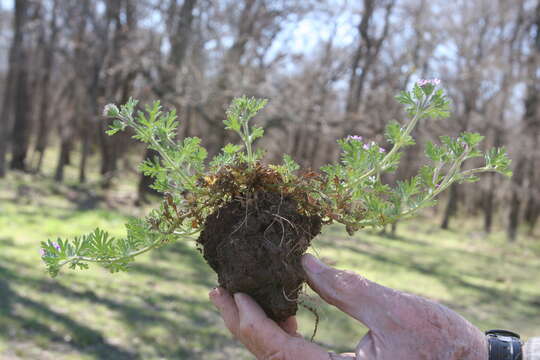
x=317 y=318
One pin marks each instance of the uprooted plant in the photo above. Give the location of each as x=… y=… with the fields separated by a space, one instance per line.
x=255 y=220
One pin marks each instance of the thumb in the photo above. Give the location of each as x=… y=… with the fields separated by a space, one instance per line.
x=355 y=295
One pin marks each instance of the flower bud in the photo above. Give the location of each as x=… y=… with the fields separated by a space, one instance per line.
x=110 y=110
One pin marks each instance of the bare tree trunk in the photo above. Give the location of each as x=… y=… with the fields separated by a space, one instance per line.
x=16 y=102
x=356 y=82
x=532 y=212
x=16 y=53
x=63 y=157
x=21 y=126
x=451 y=206
x=85 y=148
x=43 y=119
x=365 y=56
x=489 y=196
x=6 y=120
x=515 y=201
x=180 y=41
x=532 y=114
x=488 y=204
x=530 y=131
x=84 y=130
x=107 y=146
x=144 y=188
x=297 y=137
x=394 y=228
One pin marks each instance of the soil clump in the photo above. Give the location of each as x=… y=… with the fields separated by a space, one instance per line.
x=255 y=243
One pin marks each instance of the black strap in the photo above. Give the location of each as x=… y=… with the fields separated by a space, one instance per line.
x=504 y=345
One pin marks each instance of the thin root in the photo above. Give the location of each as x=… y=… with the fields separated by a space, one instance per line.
x=314 y=312
x=294 y=291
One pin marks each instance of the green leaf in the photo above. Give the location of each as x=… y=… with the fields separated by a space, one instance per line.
x=393 y=132
x=428 y=89
x=434 y=152
x=232 y=122
x=471 y=139
x=498 y=160
x=405 y=98
x=418 y=93
x=289 y=164
x=116 y=126
x=231 y=149
x=257 y=132
x=426 y=175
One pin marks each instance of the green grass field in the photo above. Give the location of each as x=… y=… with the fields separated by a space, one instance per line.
x=160 y=309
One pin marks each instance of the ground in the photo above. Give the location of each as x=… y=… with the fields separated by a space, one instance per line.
x=160 y=309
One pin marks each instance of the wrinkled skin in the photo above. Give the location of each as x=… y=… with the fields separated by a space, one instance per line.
x=401 y=326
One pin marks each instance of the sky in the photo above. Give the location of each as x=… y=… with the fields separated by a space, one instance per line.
x=305 y=35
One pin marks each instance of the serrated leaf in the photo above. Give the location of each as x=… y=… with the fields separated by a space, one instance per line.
x=231 y=149
x=257 y=132
x=471 y=139
x=393 y=132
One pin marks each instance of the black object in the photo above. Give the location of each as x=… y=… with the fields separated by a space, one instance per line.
x=504 y=345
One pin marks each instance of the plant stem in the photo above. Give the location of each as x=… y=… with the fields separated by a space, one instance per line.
x=157 y=146
x=410 y=126
x=247 y=141
x=118 y=258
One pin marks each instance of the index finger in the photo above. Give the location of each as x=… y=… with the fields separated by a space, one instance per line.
x=368 y=302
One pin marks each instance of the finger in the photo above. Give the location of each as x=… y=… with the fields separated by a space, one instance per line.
x=366 y=301
x=253 y=320
x=226 y=305
x=266 y=340
x=290 y=326
x=367 y=347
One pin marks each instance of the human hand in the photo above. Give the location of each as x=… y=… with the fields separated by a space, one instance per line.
x=401 y=326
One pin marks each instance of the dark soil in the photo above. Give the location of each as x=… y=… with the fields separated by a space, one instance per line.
x=255 y=246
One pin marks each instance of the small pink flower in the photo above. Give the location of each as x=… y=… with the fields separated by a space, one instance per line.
x=56 y=246
x=42 y=252
x=381 y=150
x=354 y=137
x=366 y=146
x=433 y=82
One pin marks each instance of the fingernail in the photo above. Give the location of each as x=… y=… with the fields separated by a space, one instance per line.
x=215 y=292
x=240 y=299
x=312 y=264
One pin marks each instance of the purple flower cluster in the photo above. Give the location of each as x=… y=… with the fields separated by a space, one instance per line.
x=433 y=82
x=43 y=252
x=354 y=138
x=373 y=144
x=366 y=146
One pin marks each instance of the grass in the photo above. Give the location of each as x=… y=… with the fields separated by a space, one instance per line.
x=160 y=309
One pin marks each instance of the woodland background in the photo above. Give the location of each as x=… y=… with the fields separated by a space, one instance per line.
x=330 y=68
